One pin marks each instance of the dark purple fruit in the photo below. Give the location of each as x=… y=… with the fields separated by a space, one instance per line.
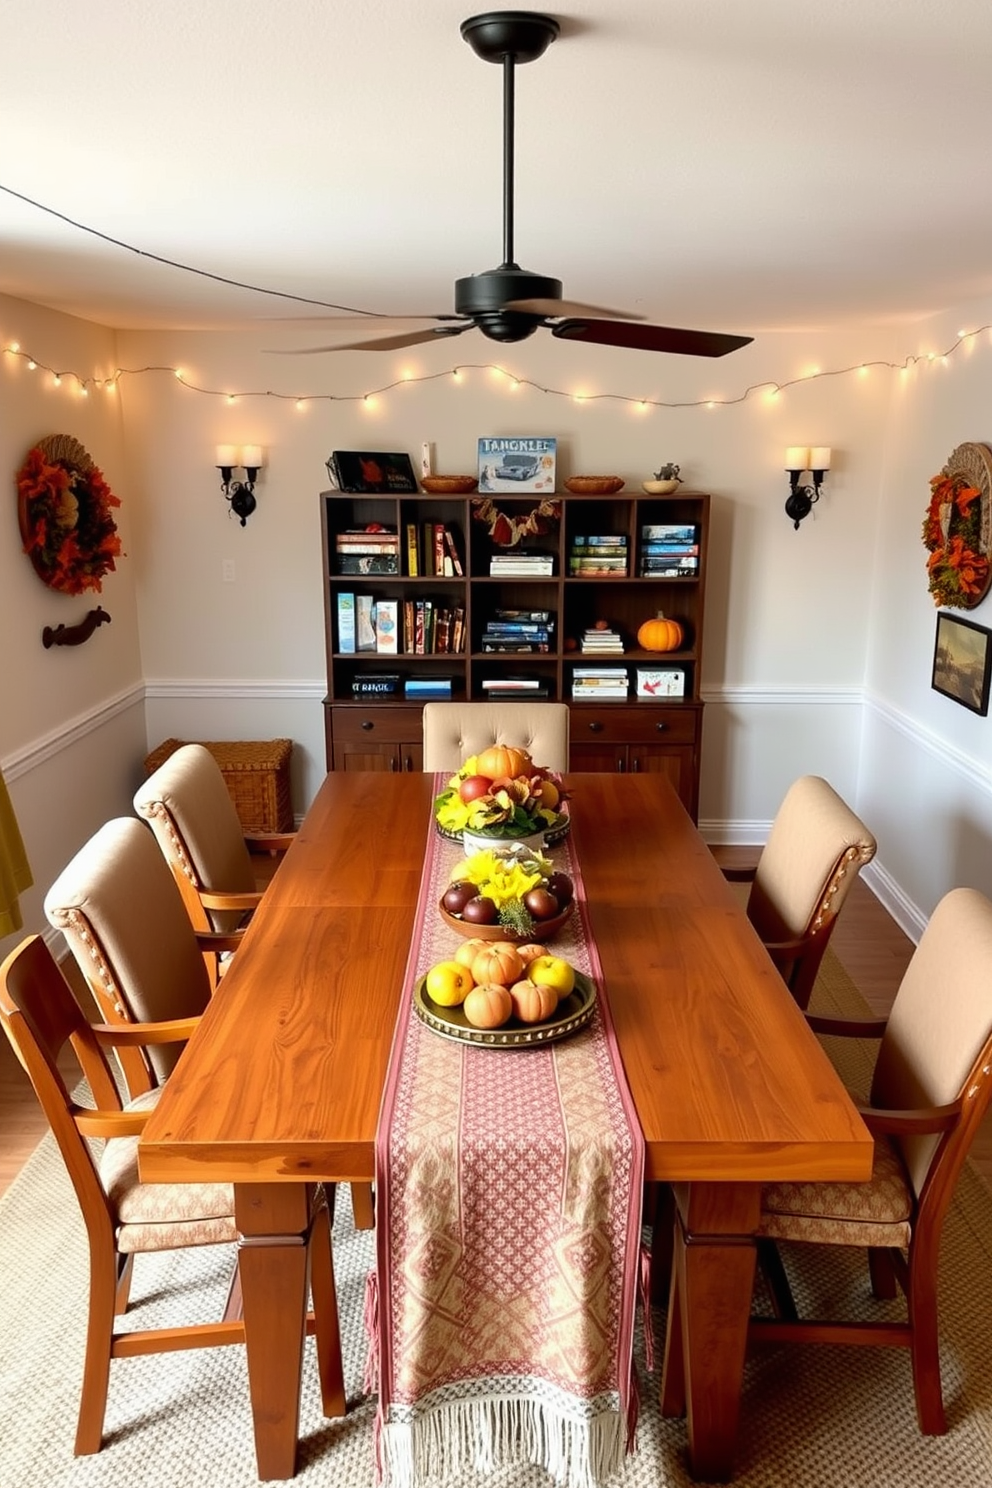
x=457 y=895
x=480 y=911
x=541 y=904
x=560 y=885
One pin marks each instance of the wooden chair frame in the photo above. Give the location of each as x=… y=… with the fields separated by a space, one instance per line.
x=40 y=1016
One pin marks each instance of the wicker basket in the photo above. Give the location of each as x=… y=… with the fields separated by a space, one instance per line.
x=256 y=774
x=594 y=485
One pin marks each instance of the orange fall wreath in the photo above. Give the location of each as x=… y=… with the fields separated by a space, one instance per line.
x=65 y=512
x=957 y=569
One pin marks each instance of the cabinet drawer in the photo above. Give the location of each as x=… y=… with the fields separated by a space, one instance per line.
x=632 y=725
x=376 y=724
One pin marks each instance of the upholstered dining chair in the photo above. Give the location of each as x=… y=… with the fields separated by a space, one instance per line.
x=124 y=1217
x=814 y=852
x=931 y=1087
x=124 y=920
x=189 y=808
x=453 y=731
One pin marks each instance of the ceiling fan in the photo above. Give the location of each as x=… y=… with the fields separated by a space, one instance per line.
x=510 y=303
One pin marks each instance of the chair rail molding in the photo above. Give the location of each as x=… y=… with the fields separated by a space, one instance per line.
x=32 y=755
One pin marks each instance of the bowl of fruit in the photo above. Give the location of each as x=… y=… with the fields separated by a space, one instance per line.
x=500 y=795
x=509 y=893
x=505 y=996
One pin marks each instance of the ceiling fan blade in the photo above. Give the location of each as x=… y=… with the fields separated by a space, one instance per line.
x=650 y=337
x=380 y=343
x=567 y=307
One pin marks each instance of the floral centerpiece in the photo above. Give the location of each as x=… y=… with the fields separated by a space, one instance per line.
x=957 y=569
x=501 y=795
x=511 y=886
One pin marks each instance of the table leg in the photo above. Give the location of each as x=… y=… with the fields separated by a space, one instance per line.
x=712 y=1283
x=273 y=1221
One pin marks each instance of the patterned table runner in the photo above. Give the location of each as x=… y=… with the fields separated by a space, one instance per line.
x=509 y=1187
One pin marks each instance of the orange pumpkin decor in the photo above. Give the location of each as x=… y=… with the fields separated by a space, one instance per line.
x=532 y=1001
x=660 y=634
x=499 y=962
x=501 y=759
x=487 y=1006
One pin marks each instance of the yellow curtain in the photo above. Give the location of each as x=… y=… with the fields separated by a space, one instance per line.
x=15 y=872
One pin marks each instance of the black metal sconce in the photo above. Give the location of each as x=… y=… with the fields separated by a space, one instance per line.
x=240 y=495
x=800 y=460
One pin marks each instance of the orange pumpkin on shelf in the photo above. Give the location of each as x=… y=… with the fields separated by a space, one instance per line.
x=660 y=634
x=502 y=759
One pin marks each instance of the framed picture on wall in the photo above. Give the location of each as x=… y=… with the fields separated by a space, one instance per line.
x=962 y=662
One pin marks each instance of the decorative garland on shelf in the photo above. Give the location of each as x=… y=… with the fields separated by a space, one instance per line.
x=957 y=529
x=506 y=531
x=64 y=510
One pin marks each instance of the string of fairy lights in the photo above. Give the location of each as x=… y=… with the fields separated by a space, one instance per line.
x=82 y=384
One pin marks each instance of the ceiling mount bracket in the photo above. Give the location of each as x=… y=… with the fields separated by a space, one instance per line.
x=520 y=34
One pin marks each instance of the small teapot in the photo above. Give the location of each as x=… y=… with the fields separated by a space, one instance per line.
x=668 y=472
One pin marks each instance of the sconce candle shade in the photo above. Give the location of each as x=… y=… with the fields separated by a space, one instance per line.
x=819 y=459
x=252 y=458
x=797 y=458
x=226 y=456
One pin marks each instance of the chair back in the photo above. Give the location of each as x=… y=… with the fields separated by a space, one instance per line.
x=123 y=919
x=453 y=731
x=40 y=1016
x=937 y=1046
x=189 y=808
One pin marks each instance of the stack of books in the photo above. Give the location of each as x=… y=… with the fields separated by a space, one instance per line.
x=362 y=551
x=669 y=550
x=427 y=689
x=599 y=684
x=602 y=642
x=521 y=565
x=598 y=556
x=375 y=684
x=504 y=687
x=519 y=630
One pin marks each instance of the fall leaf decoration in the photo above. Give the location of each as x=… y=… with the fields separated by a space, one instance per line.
x=956 y=529
x=65 y=513
x=506 y=531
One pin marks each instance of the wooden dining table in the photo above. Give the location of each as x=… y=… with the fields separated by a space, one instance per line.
x=280 y=1086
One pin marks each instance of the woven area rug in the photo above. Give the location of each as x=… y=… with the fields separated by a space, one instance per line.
x=820 y=1418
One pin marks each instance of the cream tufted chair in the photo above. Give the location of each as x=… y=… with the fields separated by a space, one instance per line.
x=452 y=731
x=189 y=808
x=814 y=852
x=124 y=920
x=124 y=1217
x=931 y=1087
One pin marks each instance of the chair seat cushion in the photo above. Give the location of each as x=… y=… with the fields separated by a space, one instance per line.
x=162 y=1216
x=874 y=1213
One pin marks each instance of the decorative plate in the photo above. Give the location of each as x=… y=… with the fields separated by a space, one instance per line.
x=574 y=1012
x=543 y=929
x=594 y=485
x=449 y=485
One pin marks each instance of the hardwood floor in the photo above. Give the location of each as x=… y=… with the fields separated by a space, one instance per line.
x=867 y=941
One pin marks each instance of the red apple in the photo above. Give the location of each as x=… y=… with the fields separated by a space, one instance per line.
x=541 y=904
x=457 y=895
x=480 y=911
x=474 y=786
x=560 y=885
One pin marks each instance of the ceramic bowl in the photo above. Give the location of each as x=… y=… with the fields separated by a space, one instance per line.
x=544 y=930
x=660 y=487
x=477 y=842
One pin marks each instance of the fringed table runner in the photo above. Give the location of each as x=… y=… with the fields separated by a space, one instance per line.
x=509 y=1187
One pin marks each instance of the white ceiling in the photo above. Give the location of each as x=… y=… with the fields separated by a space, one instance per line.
x=735 y=165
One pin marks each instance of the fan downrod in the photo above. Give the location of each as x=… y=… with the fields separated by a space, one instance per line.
x=520 y=34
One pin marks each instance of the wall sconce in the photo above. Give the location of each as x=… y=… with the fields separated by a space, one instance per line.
x=802 y=461
x=240 y=494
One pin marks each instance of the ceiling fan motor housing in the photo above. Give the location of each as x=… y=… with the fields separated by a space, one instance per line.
x=483 y=297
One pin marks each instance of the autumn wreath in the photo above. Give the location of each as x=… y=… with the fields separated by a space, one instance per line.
x=65 y=512
x=956 y=528
x=506 y=530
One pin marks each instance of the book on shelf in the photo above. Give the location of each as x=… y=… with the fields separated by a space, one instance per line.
x=524 y=615
x=358 y=564
x=669 y=573
x=346 y=623
x=412 y=550
x=670 y=532
x=600 y=674
x=386 y=626
x=365 y=623
x=513 y=684
x=451 y=549
x=367 y=540
x=458 y=629
x=423 y=689
x=520 y=648
x=669 y=550
x=409 y=633
x=375 y=684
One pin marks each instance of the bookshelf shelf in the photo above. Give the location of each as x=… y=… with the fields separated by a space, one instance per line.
x=634 y=733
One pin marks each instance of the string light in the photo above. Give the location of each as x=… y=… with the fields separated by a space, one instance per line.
x=769 y=390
